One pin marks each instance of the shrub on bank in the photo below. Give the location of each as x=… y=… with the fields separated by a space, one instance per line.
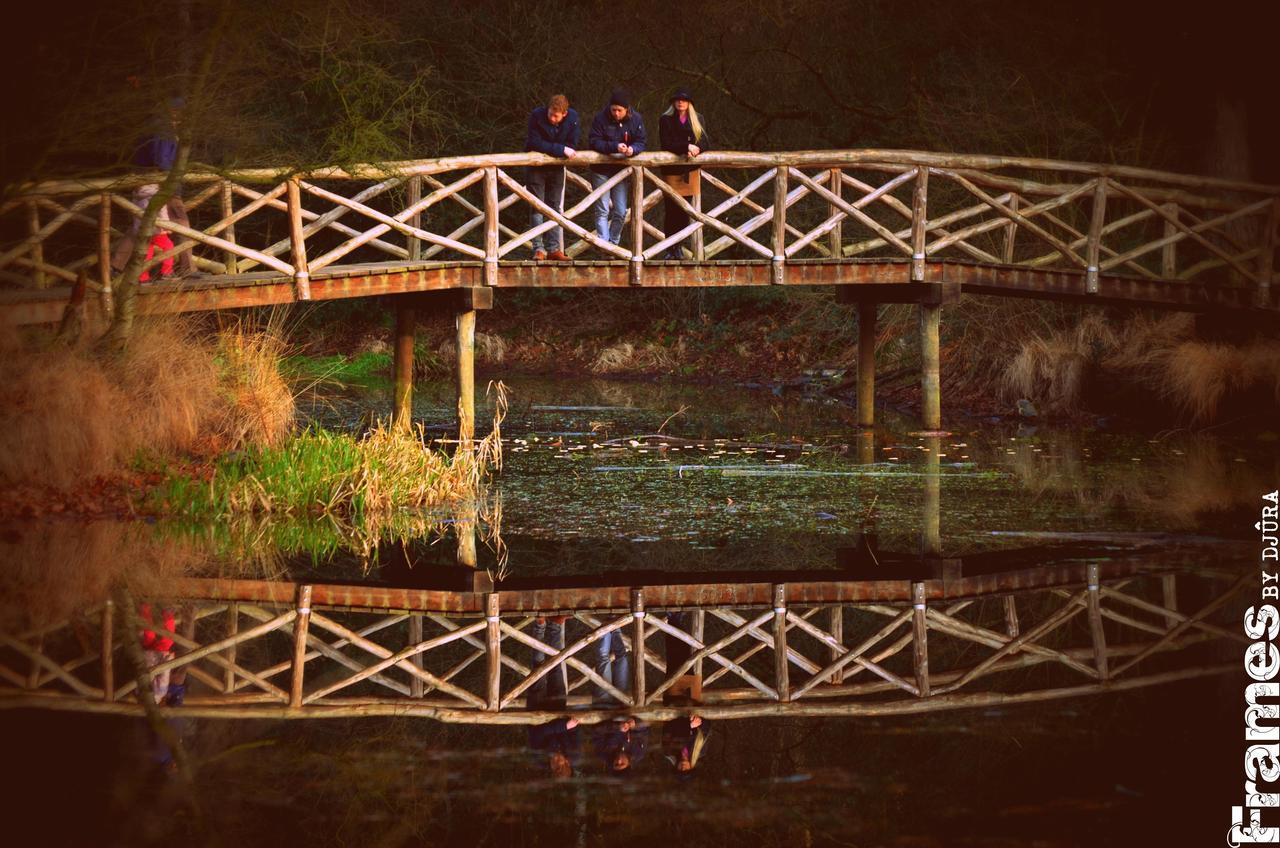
x=70 y=414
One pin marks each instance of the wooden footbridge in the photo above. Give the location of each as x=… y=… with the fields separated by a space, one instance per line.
x=256 y=649
x=883 y=225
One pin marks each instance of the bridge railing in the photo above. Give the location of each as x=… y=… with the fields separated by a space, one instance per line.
x=811 y=654
x=780 y=208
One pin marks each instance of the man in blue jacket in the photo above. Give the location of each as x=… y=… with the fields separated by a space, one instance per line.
x=553 y=129
x=617 y=131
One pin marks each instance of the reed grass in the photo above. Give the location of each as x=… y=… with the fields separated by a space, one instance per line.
x=323 y=473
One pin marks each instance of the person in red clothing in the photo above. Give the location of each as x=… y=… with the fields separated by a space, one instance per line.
x=160 y=240
x=157 y=648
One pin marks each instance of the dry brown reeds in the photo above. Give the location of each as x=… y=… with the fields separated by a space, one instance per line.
x=625 y=356
x=69 y=414
x=1159 y=354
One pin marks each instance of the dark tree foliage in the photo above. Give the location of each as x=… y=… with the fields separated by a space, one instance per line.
x=299 y=82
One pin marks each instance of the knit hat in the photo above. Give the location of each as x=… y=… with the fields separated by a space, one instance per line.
x=620 y=97
x=682 y=94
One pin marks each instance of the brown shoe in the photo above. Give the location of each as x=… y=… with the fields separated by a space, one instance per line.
x=559 y=256
x=539 y=256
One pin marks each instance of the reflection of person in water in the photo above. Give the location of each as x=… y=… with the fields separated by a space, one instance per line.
x=682 y=738
x=558 y=739
x=621 y=743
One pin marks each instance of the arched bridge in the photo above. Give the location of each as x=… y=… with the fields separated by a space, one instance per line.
x=882 y=225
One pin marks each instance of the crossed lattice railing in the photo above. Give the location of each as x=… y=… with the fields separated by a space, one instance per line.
x=249 y=657
x=779 y=208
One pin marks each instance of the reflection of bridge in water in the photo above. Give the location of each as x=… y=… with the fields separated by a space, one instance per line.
x=833 y=647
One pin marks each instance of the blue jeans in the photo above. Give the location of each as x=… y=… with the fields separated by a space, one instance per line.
x=551 y=688
x=613 y=663
x=546 y=184
x=611 y=208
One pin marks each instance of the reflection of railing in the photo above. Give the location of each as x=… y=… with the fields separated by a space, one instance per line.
x=911 y=206
x=917 y=646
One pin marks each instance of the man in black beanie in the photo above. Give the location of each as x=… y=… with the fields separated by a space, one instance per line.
x=617 y=131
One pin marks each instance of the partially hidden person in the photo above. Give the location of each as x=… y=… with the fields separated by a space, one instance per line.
x=682 y=132
x=157 y=152
x=553 y=130
x=616 y=131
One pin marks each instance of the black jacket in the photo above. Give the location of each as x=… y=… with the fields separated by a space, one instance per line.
x=606 y=134
x=676 y=137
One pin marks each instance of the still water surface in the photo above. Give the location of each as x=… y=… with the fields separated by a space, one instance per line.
x=747 y=483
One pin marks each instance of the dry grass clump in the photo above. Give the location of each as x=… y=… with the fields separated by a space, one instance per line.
x=1159 y=353
x=72 y=414
x=1052 y=369
x=490 y=349
x=625 y=356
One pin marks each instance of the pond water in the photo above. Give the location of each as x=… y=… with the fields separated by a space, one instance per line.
x=745 y=484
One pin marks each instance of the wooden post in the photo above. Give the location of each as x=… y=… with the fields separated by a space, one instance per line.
x=1011 y=616
x=1169 y=590
x=37 y=247
x=297 y=240
x=415 y=221
x=931 y=390
x=466 y=327
x=637 y=225
x=1010 y=233
x=491 y=223
x=228 y=209
x=415 y=638
x=233 y=627
x=920 y=639
x=1169 y=253
x=1266 y=262
x=867 y=310
x=108 y=651
x=637 y=647
x=699 y=630
x=931 y=533
x=402 y=407
x=104 y=254
x=837 y=633
x=300 y=645
x=835 y=182
x=1093 y=246
x=699 y=248
x=780 y=226
x=493 y=652
x=1095 y=622
x=781 y=674
x=919 y=220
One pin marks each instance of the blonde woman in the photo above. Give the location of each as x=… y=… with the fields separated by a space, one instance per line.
x=681 y=132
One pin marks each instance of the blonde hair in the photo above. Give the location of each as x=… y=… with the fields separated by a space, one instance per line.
x=694 y=121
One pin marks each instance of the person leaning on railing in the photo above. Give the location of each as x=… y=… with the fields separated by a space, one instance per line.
x=157 y=152
x=552 y=130
x=680 y=131
x=617 y=131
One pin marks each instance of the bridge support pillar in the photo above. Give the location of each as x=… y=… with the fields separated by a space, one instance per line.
x=867 y=363
x=930 y=383
x=402 y=407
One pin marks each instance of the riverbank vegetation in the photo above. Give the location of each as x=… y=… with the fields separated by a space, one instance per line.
x=197 y=419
